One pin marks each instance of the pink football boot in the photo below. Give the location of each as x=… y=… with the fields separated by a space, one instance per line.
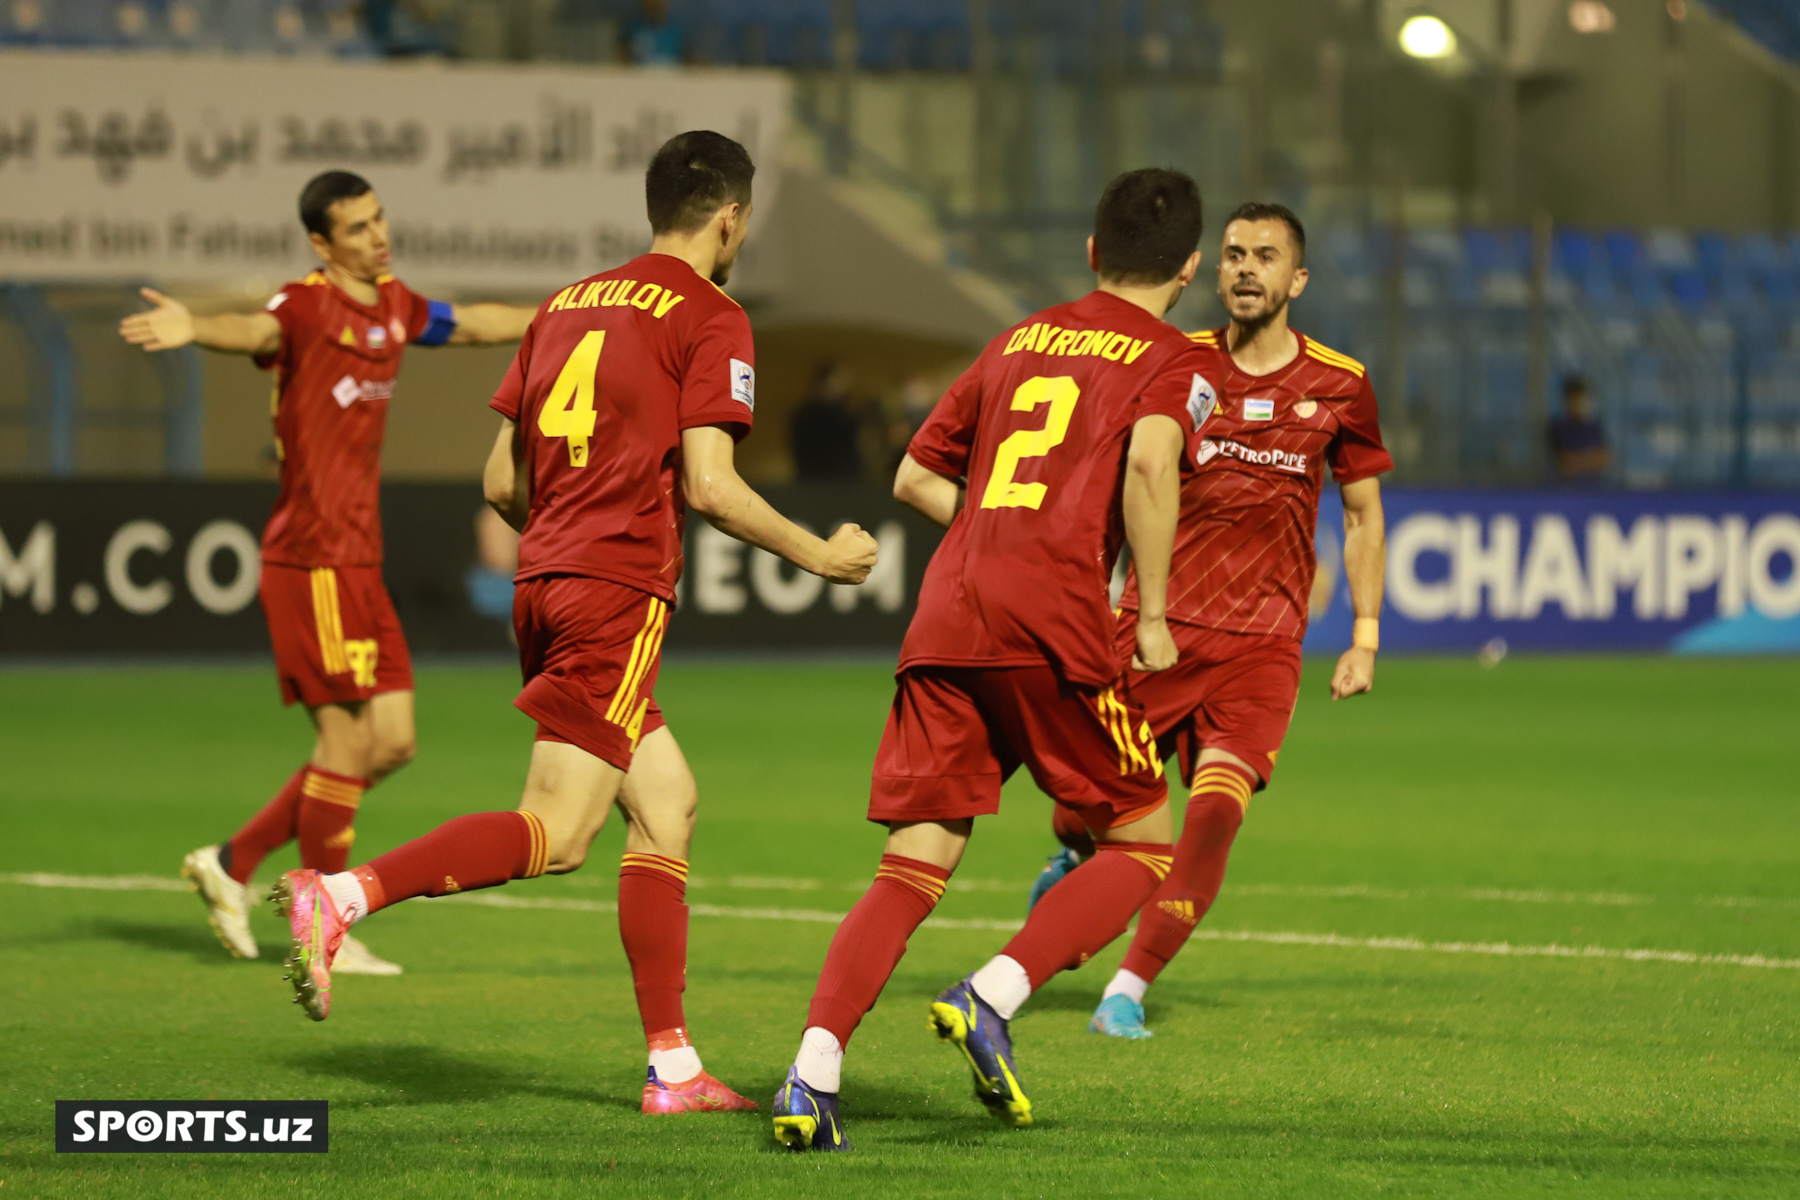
x=702 y=1093
x=318 y=930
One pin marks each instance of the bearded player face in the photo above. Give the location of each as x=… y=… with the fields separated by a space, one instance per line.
x=1259 y=270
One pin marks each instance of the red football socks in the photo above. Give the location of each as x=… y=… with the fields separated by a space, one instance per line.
x=476 y=851
x=868 y=945
x=327 y=818
x=1078 y=917
x=1221 y=797
x=268 y=830
x=653 y=924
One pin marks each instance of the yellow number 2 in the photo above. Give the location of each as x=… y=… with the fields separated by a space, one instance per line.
x=568 y=410
x=1061 y=393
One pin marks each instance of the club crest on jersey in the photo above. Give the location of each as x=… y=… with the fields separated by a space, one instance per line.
x=1203 y=399
x=377 y=337
x=1259 y=410
x=1306 y=408
x=397 y=329
x=743 y=383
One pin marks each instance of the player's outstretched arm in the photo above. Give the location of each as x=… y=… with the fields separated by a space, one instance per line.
x=1152 y=509
x=504 y=481
x=936 y=497
x=1365 y=566
x=488 y=324
x=169 y=325
x=714 y=489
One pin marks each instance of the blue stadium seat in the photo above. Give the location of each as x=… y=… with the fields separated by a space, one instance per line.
x=1772 y=419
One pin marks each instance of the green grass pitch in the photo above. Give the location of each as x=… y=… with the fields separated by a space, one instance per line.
x=1601 y=805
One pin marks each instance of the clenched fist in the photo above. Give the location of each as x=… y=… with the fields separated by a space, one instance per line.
x=850 y=555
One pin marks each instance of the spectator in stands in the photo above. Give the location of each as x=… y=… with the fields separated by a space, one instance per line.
x=654 y=38
x=826 y=430
x=1577 y=441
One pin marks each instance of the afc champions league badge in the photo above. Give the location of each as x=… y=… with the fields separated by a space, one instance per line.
x=1202 y=399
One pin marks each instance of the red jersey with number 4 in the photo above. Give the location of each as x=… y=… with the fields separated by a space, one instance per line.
x=1039 y=428
x=337 y=363
x=1244 y=557
x=610 y=373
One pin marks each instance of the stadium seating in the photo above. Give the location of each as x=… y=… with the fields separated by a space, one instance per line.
x=890 y=35
x=1773 y=23
x=1690 y=343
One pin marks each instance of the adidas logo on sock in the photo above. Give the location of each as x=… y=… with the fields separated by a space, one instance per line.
x=1181 y=910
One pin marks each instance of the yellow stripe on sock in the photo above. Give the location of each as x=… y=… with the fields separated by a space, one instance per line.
x=1159 y=864
x=929 y=887
x=537 y=858
x=1226 y=781
x=924 y=880
x=332 y=791
x=676 y=867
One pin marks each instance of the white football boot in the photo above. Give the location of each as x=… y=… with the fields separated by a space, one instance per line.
x=227 y=900
x=354 y=958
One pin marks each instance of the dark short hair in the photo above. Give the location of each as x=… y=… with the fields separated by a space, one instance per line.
x=1146 y=225
x=323 y=191
x=1268 y=210
x=693 y=176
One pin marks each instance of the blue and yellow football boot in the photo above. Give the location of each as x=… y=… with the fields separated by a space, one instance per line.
x=961 y=1017
x=1120 y=1017
x=805 y=1119
x=1060 y=864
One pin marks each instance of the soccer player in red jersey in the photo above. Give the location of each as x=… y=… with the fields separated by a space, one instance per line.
x=621 y=411
x=1243 y=575
x=336 y=338
x=1065 y=436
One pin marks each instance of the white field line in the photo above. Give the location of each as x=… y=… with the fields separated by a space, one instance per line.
x=152 y=883
x=822 y=917
x=1294 y=891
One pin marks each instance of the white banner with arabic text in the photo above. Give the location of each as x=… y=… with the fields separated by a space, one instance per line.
x=124 y=167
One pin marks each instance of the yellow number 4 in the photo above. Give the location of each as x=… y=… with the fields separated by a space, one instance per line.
x=568 y=410
x=1061 y=393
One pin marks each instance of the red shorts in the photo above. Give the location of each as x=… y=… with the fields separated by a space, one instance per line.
x=589 y=651
x=1229 y=691
x=336 y=637
x=955 y=734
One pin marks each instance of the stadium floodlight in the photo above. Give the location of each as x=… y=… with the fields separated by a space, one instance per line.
x=1591 y=16
x=1427 y=37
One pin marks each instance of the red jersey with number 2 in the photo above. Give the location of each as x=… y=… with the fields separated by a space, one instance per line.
x=1039 y=427
x=1244 y=557
x=610 y=373
x=337 y=363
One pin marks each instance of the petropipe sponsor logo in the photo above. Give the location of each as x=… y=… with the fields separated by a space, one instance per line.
x=193 y=1127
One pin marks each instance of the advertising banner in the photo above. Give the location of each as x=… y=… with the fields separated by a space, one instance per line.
x=151 y=567
x=187 y=169
x=1691 y=573
x=169 y=568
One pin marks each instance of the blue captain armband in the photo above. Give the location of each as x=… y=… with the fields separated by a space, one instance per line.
x=440 y=325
